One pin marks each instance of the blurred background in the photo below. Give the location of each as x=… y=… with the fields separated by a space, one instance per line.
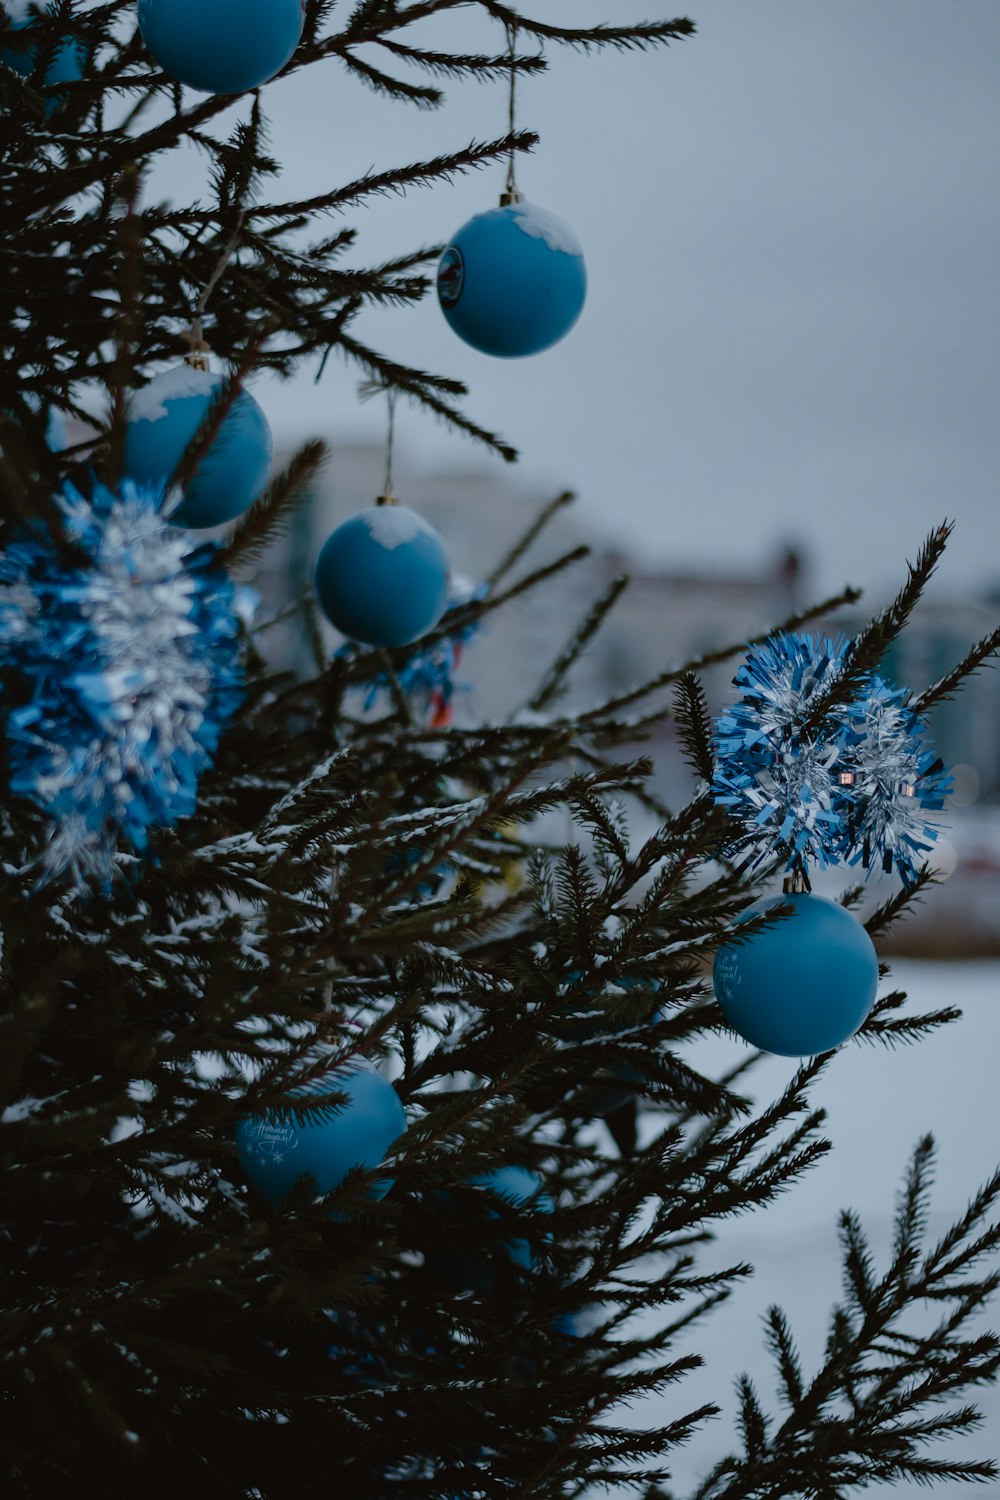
x=785 y=376
x=787 y=372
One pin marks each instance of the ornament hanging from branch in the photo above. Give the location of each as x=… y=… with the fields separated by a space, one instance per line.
x=365 y=1119
x=382 y=576
x=856 y=782
x=512 y=281
x=221 y=46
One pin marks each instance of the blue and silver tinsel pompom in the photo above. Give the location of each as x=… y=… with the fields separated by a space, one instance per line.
x=861 y=790
x=123 y=665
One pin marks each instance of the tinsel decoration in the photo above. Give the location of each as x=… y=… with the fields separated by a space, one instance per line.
x=863 y=789
x=781 y=785
x=892 y=782
x=123 y=644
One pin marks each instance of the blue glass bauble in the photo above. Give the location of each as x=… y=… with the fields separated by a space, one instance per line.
x=512 y=281
x=163 y=418
x=221 y=46
x=804 y=984
x=66 y=65
x=275 y=1151
x=382 y=577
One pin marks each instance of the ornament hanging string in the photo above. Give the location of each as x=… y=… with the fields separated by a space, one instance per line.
x=194 y=335
x=387 y=497
x=511 y=195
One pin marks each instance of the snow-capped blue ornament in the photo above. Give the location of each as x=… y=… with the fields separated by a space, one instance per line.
x=781 y=784
x=802 y=985
x=221 y=46
x=382 y=576
x=21 y=51
x=275 y=1150
x=892 y=781
x=127 y=664
x=512 y=281
x=165 y=415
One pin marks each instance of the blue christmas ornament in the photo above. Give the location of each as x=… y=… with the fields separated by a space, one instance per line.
x=512 y=280
x=382 y=576
x=165 y=415
x=892 y=781
x=21 y=52
x=127 y=666
x=275 y=1150
x=803 y=985
x=221 y=46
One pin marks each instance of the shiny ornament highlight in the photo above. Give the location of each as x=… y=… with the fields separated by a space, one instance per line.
x=275 y=1150
x=512 y=281
x=163 y=418
x=221 y=46
x=803 y=985
x=382 y=577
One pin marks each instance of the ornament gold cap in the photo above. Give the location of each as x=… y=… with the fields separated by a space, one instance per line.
x=509 y=196
x=197 y=355
x=796 y=883
x=388 y=498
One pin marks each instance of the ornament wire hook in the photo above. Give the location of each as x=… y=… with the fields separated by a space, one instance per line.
x=198 y=353
x=797 y=883
x=387 y=497
x=510 y=194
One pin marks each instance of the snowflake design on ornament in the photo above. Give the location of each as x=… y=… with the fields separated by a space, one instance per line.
x=780 y=784
x=128 y=664
x=893 y=781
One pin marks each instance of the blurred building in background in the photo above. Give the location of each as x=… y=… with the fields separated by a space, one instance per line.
x=664 y=619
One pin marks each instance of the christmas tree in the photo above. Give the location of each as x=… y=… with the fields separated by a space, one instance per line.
x=354 y=1134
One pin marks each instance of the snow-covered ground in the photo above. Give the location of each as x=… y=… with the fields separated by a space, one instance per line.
x=879 y=1103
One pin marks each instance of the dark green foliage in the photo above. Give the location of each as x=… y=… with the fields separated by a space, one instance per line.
x=877 y=1401
x=357 y=882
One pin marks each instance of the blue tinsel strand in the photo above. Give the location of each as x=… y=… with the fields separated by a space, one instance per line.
x=863 y=791
x=896 y=783
x=129 y=665
x=781 y=786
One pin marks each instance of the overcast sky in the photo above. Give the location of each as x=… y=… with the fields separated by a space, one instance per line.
x=792 y=230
